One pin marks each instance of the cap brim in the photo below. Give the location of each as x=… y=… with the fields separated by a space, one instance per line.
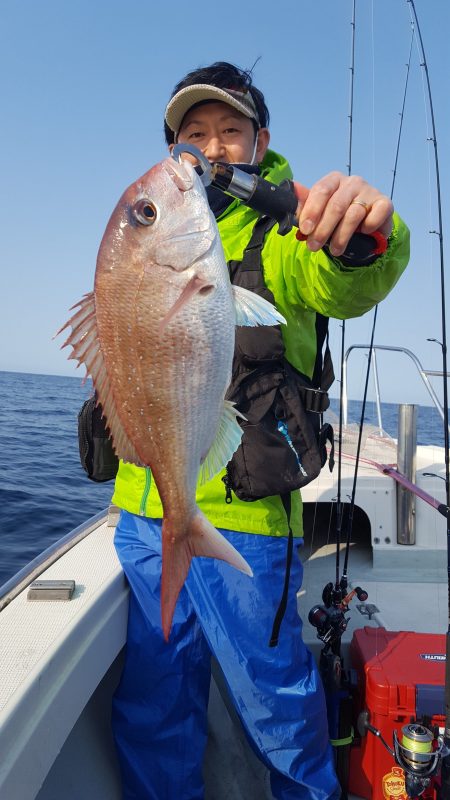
x=180 y=104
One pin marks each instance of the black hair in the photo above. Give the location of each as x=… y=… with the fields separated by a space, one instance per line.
x=225 y=76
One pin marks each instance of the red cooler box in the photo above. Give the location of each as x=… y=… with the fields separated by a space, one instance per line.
x=400 y=677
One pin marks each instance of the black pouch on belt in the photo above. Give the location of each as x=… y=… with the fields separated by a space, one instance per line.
x=97 y=455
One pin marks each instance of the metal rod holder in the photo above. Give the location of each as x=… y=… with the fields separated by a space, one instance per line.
x=406 y=461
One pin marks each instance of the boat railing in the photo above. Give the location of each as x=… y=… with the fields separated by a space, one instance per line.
x=31 y=571
x=423 y=373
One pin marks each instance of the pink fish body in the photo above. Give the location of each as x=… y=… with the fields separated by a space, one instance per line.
x=157 y=337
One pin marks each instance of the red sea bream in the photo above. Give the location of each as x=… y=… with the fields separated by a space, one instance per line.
x=157 y=337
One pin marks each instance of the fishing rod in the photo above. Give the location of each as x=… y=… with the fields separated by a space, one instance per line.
x=330 y=619
x=446 y=761
x=445 y=749
x=341 y=586
x=349 y=526
x=402 y=480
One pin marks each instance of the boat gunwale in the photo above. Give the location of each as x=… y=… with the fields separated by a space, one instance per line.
x=15 y=585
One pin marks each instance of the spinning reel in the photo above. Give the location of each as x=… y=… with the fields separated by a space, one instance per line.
x=418 y=752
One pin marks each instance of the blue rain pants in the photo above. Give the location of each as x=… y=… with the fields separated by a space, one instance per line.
x=160 y=706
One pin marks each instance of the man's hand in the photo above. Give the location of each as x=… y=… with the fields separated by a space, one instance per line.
x=338 y=205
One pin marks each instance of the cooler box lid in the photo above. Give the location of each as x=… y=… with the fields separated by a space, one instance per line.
x=404 y=671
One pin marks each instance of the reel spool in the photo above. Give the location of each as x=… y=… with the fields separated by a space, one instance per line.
x=415 y=750
x=416 y=755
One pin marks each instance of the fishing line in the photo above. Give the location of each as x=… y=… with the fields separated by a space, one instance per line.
x=402 y=112
x=339 y=505
x=429 y=138
x=373 y=95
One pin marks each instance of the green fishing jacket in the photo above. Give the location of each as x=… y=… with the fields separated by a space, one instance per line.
x=302 y=284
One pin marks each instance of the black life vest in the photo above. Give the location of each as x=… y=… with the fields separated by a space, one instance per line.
x=284 y=443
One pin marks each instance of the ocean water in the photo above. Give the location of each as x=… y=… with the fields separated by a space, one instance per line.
x=44 y=492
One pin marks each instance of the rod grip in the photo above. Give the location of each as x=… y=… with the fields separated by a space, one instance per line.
x=278 y=202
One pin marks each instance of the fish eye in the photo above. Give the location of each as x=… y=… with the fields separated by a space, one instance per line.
x=144 y=212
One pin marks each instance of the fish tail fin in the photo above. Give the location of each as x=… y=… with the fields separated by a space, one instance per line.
x=200 y=539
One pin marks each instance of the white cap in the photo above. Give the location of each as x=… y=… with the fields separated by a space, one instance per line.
x=180 y=103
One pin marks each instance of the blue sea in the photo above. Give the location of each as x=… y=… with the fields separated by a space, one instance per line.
x=44 y=492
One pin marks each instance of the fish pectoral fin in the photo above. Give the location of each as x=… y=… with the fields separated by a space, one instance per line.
x=200 y=539
x=226 y=442
x=252 y=310
x=196 y=285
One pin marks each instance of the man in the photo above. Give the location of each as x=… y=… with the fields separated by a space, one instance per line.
x=160 y=707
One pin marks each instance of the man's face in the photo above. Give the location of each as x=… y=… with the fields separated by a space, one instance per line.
x=222 y=134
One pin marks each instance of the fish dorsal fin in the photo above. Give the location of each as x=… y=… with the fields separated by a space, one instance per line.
x=226 y=442
x=251 y=309
x=86 y=350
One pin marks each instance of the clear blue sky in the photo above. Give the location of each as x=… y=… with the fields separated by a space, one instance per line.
x=83 y=89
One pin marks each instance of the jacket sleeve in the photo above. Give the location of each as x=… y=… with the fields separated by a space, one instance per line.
x=318 y=282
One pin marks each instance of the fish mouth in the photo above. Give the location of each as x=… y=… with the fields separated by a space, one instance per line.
x=181 y=172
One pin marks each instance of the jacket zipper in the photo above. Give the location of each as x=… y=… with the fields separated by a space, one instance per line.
x=227 y=481
x=148 y=480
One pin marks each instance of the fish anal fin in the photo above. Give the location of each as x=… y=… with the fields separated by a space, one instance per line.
x=226 y=442
x=252 y=310
x=200 y=539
